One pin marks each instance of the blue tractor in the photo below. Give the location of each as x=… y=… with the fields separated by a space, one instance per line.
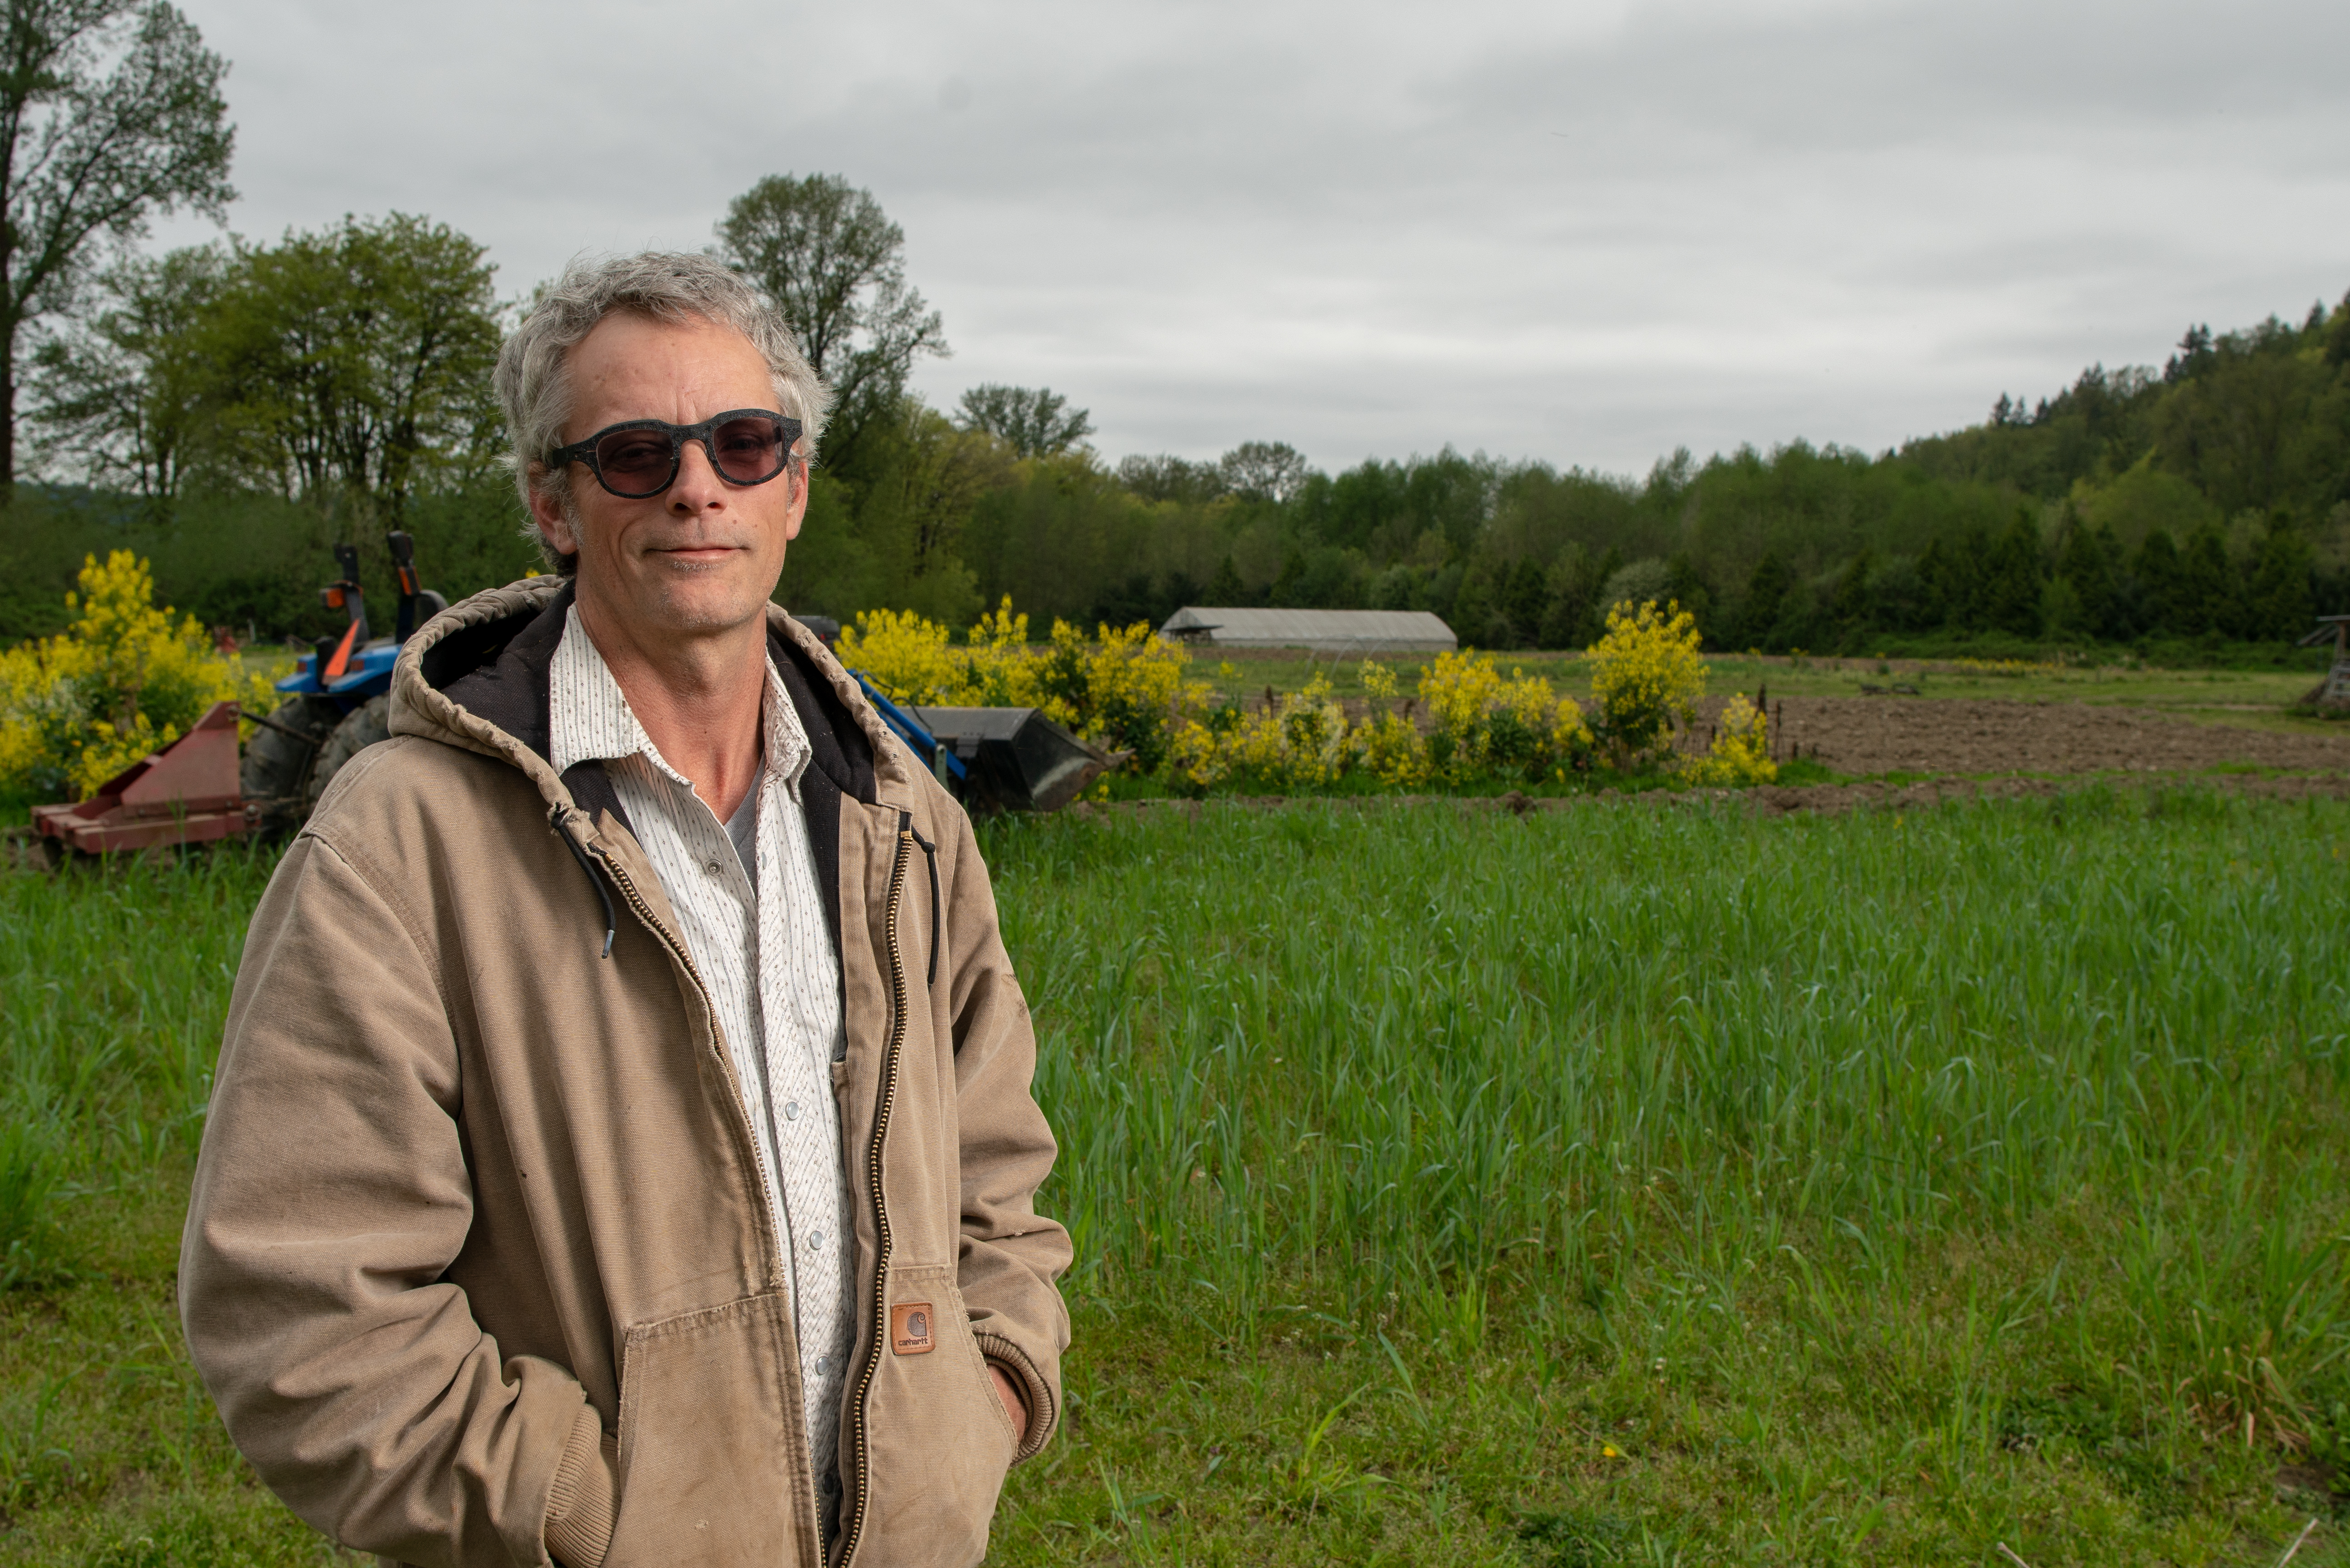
x=336 y=700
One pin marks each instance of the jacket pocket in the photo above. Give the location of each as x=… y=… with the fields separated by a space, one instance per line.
x=714 y=1449
x=937 y=1441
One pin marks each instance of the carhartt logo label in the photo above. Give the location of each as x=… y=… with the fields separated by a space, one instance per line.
x=910 y=1328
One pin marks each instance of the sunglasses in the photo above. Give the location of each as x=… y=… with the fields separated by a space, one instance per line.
x=638 y=458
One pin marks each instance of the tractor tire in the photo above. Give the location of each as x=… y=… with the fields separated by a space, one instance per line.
x=368 y=724
x=275 y=772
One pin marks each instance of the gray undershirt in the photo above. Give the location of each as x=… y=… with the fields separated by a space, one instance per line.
x=743 y=827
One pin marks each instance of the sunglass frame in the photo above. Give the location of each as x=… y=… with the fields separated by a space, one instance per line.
x=584 y=452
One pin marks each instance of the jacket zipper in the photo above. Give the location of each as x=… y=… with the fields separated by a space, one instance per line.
x=855 y=1532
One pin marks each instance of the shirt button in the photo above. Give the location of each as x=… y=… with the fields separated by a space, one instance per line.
x=791 y=1111
x=713 y=867
x=823 y=1366
x=816 y=1241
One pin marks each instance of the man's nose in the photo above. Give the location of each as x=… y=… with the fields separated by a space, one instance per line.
x=697 y=487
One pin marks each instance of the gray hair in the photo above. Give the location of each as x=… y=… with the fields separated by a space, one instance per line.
x=533 y=377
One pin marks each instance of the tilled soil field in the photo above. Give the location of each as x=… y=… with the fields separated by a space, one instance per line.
x=1958 y=735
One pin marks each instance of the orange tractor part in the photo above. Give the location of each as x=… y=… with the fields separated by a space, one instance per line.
x=185 y=794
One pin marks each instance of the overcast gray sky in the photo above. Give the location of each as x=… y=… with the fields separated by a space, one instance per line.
x=1585 y=233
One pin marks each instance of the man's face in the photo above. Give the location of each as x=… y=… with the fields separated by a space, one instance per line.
x=702 y=555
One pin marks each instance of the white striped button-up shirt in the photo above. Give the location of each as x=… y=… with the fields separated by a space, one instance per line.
x=767 y=961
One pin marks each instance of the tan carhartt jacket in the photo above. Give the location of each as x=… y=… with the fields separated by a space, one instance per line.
x=477 y=1197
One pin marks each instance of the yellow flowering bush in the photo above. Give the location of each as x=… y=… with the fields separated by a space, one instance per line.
x=1485 y=724
x=1532 y=732
x=1741 y=748
x=1303 y=742
x=1646 y=674
x=1392 y=749
x=1458 y=690
x=906 y=656
x=1003 y=672
x=1388 y=744
x=123 y=680
x=1123 y=689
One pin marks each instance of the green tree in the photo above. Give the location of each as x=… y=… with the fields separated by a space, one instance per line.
x=2012 y=589
x=1224 y=588
x=118 y=398
x=1265 y=471
x=2278 y=599
x=1524 y=594
x=2202 y=596
x=1171 y=479
x=924 y=479
x=90 y=158
x=1288 y=587
x=829 y=256
x=1849 y=603
x=353 y=365
x=1897 y=599
x=1472 y=618
x=2258 y=423
x=1570 y=612
x=2061 y=616
x=2089 y=563
x=1766 y=594
x=1686 y=584
x=1033 y=421
x=2154 y=573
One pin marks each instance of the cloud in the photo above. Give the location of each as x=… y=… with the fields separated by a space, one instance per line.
x=1587 y=234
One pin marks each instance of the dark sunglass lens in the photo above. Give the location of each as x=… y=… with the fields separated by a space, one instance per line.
x=637 y=461
x=749 y=450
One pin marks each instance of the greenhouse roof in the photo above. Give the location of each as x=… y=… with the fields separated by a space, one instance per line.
x=1319 y=631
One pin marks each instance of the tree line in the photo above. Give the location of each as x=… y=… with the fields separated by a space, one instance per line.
x=2202 y=505
x=234 y=408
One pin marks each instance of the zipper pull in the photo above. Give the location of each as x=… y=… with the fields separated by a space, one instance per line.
x=556 y=820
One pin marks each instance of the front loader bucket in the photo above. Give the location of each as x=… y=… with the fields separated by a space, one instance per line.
x=1015 y=758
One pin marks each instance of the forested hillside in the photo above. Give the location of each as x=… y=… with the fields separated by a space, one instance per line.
x=233 y=409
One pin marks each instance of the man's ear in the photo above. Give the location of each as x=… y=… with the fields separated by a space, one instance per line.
x=547 y=512
x=795 y=474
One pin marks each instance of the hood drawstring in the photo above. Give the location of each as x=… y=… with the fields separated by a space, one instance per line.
x=611 y=920
x=930 y=856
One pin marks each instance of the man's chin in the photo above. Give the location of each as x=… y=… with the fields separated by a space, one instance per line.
x=708 y=605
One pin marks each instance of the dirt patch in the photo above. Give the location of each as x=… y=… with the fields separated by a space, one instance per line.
x=1960 y=735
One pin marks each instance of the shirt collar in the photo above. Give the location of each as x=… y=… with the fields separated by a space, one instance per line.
x=589 y=718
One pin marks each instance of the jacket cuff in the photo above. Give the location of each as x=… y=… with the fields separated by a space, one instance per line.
x=581 y=1504
x=1043 y=1410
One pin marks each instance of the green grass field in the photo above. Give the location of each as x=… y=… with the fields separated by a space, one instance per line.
x=1612 y=1185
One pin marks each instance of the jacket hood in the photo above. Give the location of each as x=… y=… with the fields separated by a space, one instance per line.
x=475 y=677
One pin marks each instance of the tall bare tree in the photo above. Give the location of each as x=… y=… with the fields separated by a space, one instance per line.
x=111 y=113
x=837 y=264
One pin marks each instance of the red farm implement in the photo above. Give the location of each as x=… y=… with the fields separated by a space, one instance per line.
x=185 y=794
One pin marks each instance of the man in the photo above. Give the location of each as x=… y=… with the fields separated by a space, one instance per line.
x=622 y=1150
